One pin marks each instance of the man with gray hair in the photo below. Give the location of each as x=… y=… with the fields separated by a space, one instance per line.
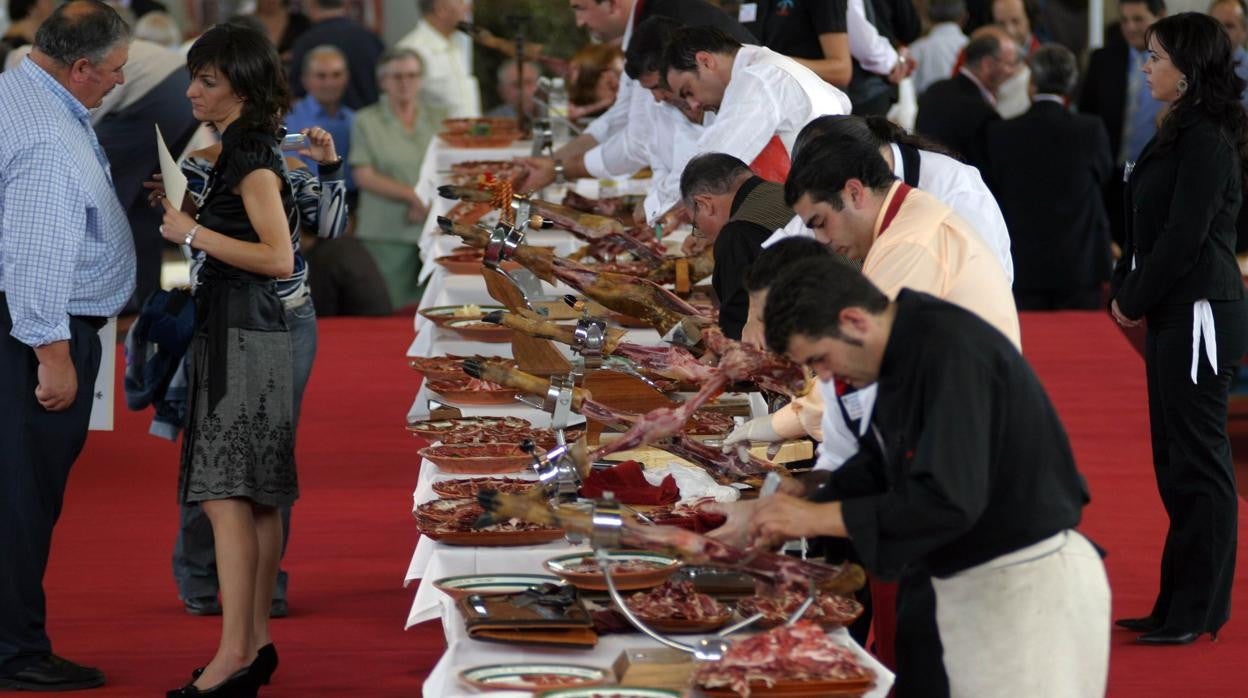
x=1047 y=169
x=325 y=77
x=734 y=210
x=66 y=265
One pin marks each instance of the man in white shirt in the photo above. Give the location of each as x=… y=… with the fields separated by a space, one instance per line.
x=759 y=99
x=937 y=52
x=447 y=81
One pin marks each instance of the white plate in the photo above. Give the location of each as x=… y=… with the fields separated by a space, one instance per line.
x=494 y=676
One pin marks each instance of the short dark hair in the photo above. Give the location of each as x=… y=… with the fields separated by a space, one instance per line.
x=330 y=4
x=647 y=44
x=764 y=271
x=946 y=10
x=682 y=51
x=248 y=60
x=1054 y=70
x=1155 y=7
x=20 y=9
x=872 y=128
x=427 y=6
x=824 y=164
x=807 y=299
x=712 y=173
x=981 y=47
x=69 y=35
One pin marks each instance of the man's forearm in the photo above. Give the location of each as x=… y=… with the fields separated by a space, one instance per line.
x=575 y=148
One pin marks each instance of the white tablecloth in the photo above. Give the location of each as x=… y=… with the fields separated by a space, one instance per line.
x=462 y=653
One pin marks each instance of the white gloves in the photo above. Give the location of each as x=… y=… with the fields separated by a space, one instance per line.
x=757 y=429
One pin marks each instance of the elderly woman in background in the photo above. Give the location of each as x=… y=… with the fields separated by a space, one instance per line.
x=1178 y=273
x=238 y=453
x=388 y=144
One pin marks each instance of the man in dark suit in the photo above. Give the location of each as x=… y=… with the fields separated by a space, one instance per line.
x=955 y=112
x=1047 y=168
x=361 y=47
x=1113 y=76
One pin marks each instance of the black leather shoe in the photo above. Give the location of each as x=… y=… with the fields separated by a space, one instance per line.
x=1147 y=624
x=265 y=664
x=241 y=684
x=278 y=608
x=53 y=673
x=1169 y=636
x=202 y=606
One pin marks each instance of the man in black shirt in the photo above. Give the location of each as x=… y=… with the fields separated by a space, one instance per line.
x=966 y=474
x=812 y=32
x=736 y=211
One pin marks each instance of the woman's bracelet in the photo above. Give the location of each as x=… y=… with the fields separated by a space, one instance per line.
x=190 y=235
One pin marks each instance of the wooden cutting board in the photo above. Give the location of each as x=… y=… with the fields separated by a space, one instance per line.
x=657 y=667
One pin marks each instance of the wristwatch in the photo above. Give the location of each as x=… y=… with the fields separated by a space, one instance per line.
x=559 y=178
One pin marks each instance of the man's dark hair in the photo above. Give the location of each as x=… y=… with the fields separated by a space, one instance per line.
x=807 y=299
x=81 y=29
x=427 y=7
x=876 y=129
x=20 y=9
x=646 y=46
x=682 y=51
x=1156 y=7
x=248 y=61
x=330 y=4
x=712 y=173
x=823 y=166
x=1054 y=70
x=764 y=271
x=981 y=47
x=946 y=10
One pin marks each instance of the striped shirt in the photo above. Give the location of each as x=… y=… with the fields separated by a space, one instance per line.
x=65 y=245
x=322 y=203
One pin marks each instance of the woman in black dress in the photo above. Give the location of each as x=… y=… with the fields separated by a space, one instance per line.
x=238 y=452
x=1178 y=274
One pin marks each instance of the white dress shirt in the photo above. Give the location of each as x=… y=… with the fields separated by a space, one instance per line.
x=613 y=120
x=872 y=51
x=768 y=95
x=447 y=83
x=936 y=54
x=623 y=147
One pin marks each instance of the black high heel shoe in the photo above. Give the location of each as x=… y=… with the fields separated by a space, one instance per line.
x=1171 y=636
x=262 y=667
x=1147 y=624
x=240 y=684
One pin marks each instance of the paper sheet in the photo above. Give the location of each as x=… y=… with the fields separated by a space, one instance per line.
x=170 y=173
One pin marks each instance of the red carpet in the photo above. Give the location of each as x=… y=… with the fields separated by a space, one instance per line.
x=112 y=602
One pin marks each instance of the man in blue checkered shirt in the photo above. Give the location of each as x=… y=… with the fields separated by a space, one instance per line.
x=66 y=264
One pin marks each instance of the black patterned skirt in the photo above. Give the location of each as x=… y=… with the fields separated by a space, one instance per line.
x=243 y=446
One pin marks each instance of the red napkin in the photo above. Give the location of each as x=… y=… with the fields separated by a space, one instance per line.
x=629 y=485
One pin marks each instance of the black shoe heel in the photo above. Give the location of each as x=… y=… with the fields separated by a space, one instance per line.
x=265 y=664
x=240 y=684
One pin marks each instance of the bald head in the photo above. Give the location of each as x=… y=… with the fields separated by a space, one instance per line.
x=992 y=56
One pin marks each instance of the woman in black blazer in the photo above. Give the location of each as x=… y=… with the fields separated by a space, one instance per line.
x=1179 y=275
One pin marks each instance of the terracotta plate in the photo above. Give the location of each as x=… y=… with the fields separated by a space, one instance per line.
x=610 y=692
x=463 y=263
x=800 y=689
x=480 y=459
x=499 y=538
x=663 y=567
x=442 y=314
x=466 y=124
x=532 y=676
x=465 y=585
x=479 y=331
x=473 y=398
x=433 y=428
x=500 y=139
x=683 y=625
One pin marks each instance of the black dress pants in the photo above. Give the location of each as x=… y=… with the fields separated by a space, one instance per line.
x=1193 y=465
x=37 y=449
x=919 y=652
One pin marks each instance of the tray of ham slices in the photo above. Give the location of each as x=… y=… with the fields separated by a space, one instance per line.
x=801 y=660
x=454 y=522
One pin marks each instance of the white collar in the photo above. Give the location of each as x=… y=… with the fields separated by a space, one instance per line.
x=988 y=96
x=1049 y=97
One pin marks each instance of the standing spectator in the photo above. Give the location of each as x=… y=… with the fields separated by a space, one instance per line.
x=66 y=265
x=388 y=144
x=1047 y=169
x=1178 y=272
x=282 y=26
x=954 y=112
x=1114 y=90
x=510 y=89
x=448 y=85
x=1016 y=18
x=811 y=32
x=878 y=67
x=325 y=79
x=937 y=52
x=154 y=92
x=361 y=47
x=1231 y=14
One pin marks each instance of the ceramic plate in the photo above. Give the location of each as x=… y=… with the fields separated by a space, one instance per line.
x=658 y=567
x=678 y=626
x=533 y=676
x=499 y=538
x=479 y=459
x=457 y=397
x=464 y=263
x=610 y=692
x=479 y=331
x=442 y=314
x=434 y=428
x=464 y=585
x=800 y=689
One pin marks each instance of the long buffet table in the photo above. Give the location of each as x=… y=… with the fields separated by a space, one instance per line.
x=432 y=560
